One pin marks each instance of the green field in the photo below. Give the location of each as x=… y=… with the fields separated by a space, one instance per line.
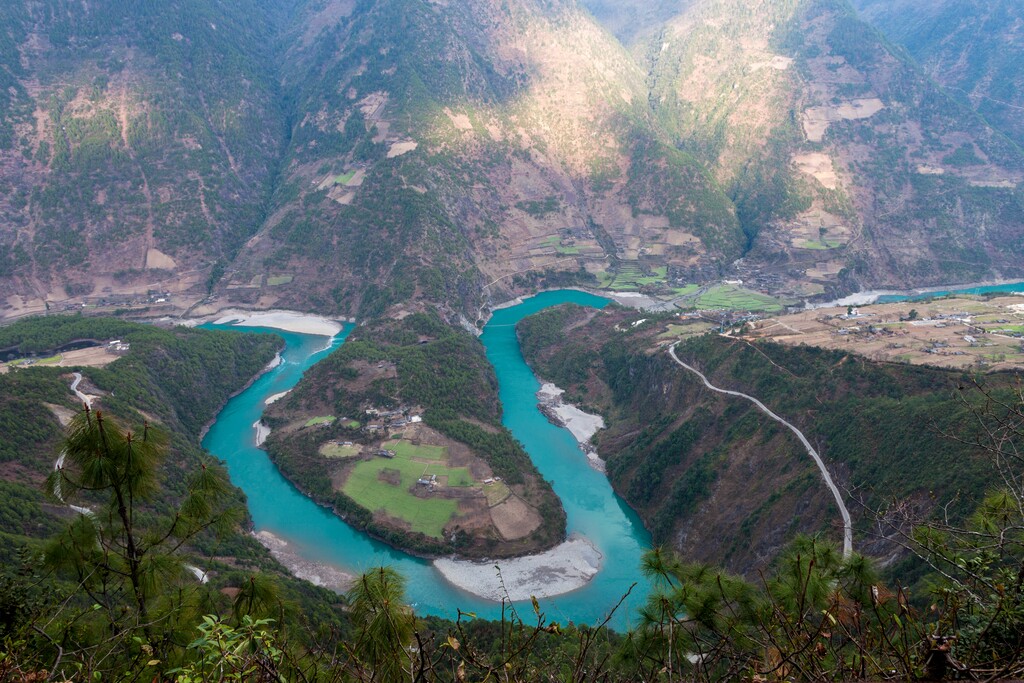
x=279 y=280
x=733 y=297
x=405 y=449
x=351 y=424
x=686 y=331
x=25 y=362
x=630 y=276
x=429 y=516
x=344 y=178
x=822 y=245
x=323 y=420
x=330 y=450
x=569 y=251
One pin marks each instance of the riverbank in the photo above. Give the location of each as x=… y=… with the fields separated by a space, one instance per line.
x=871 y=296
x=581 y=425
x=317 y=573
x=627 y=299
x=563 y=569
x=262 y=432
x=276 y=397
x=274 y=362
x=290 y=321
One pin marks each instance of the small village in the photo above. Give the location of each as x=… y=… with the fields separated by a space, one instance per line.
x=961 y=332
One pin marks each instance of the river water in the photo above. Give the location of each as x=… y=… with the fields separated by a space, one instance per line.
x=1005 y=288
x=315 y=533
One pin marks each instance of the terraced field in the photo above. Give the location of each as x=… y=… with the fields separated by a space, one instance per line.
x=632 y=276
x=277 y=280
x=336 y=450
x=965 y=332
x=732 y=297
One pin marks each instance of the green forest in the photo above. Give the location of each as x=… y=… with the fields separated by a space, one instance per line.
x=671 y=447
x=150 y=389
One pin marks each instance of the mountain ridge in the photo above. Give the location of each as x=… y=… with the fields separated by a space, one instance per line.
x=357 y=157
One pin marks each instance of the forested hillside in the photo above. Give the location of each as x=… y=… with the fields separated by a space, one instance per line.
x=439 y=148
x=848 y=166
x=716 y=479
x=153 y=382
x=350 y=156
x=139 y=145
x=331 y=155
x=972 y=48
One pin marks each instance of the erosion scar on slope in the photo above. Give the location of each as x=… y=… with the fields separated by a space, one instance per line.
x=847 y=524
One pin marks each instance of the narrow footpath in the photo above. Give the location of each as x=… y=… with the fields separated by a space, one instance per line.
x=847 y=524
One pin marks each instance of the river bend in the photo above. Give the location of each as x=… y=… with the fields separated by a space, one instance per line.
x=318 y=536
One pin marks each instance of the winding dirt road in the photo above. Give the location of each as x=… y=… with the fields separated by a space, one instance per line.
x=847 y=523
x=87 y=400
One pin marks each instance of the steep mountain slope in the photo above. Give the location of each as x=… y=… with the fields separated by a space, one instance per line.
x=847 y=165
x=716 y=479
x=349 y=155
x=139 y=142
x=975 y=49
x=362 y=152
x=151 y=381
x=442 y=148
x=630 y=22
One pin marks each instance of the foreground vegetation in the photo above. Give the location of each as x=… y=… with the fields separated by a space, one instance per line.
x=152 y=383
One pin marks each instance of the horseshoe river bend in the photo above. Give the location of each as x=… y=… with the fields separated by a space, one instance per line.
x=316 y=536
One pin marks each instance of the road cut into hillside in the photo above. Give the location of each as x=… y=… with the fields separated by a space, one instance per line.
x=847 y=522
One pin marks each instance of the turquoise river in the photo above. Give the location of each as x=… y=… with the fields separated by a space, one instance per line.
x=1005 y=288
x=592 y=508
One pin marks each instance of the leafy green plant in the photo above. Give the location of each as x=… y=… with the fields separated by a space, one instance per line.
x=224 y=652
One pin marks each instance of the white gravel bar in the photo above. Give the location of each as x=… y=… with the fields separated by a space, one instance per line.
x=582 y=425
x=276 y=397
x=563 y=569
x=262 y=432
x=290 y=321
x=317 y=573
